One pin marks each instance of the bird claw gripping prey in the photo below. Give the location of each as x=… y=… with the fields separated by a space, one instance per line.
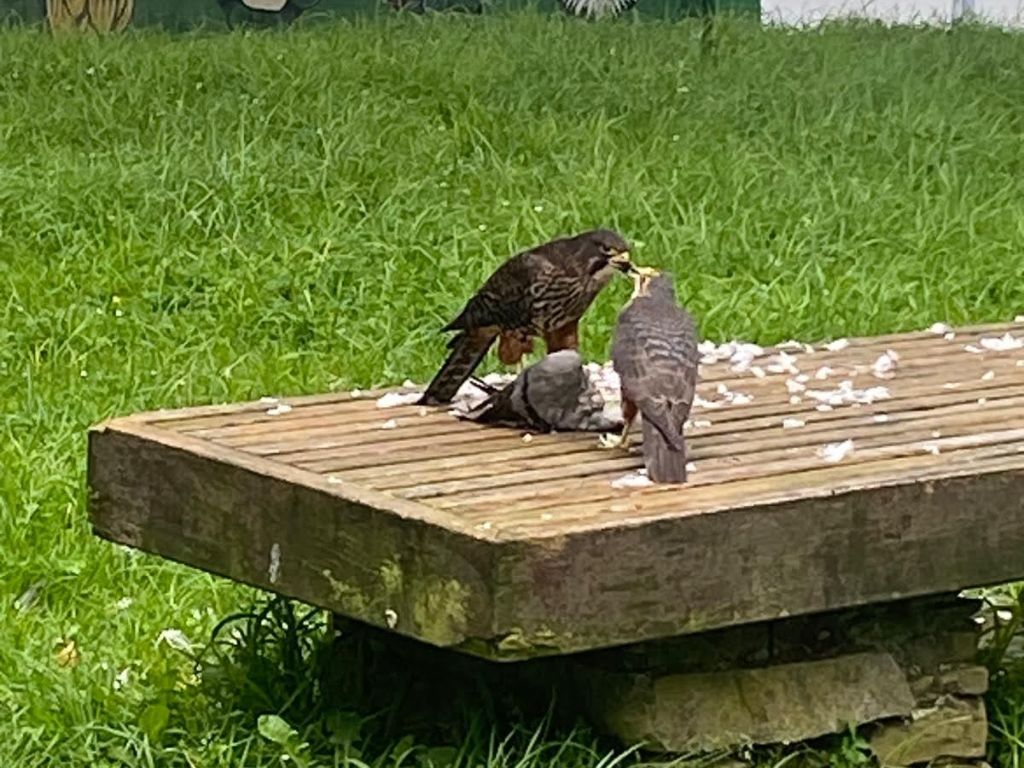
x=655 y=355
x=543 y=291
x=610 y=440
x=553 y=394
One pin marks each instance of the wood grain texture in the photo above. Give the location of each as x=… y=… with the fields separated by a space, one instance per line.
x=470 y=537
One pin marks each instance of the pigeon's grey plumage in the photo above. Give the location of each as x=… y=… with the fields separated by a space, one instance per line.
x=655 y=354
x=553 y=394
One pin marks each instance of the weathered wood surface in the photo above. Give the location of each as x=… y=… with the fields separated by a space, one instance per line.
x=469 y=537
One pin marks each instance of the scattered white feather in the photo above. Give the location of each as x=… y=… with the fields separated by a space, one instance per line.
x=691 y=466
x=988 y=375
x=783 y=363
x=279 y=410
x=700 y=402
x=936 y=434
x=356 y=393
x=824 y=407
x=974 y=349
x=268 y=400
x=423 y=411
x=795 y=400
x=701 y=423
x=395 y=399
x=823 y=373
x=880 y=418
x=838 y=345
x=951 y=385
x=949 y=336
x=939 y=329
x=793 y=423
x=931 y=448
x=794 y=387
x=1004 y=343
x=833 y=452
x=846 y=394
x=389 y=424
x=982 y=400
x=638 y=479
x=334 y=480
x=744 y=351
x=885 y=365
x=527 y=438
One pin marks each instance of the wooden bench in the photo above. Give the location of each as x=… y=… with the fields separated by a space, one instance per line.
x=826 y=481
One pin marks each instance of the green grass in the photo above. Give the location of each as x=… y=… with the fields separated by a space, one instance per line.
x=203 y=219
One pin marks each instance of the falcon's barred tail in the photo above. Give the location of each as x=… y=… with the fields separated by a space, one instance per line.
x=665 y=462
x=468 y=349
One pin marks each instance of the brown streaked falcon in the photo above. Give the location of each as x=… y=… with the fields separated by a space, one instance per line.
x=543 y=291
x=654 y=351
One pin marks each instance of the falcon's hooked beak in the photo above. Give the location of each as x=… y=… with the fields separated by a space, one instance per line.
x=621 y=262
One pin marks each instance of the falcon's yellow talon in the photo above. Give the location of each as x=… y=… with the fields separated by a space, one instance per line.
x=609 y=440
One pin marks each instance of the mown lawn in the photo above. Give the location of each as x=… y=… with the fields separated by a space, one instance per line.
x=209 y=218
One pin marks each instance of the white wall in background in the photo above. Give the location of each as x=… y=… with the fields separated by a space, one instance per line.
x=1009 y=13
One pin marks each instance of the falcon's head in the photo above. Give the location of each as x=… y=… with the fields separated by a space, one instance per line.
x=605 y=251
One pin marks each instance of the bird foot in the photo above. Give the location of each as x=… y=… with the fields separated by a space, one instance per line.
x=611 y=441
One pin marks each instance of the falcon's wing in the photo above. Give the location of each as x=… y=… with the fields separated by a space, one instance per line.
x=504 y=300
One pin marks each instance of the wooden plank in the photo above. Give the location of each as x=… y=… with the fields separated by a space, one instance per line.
x=594 y=503
x=581 y=448
x=383 y=456
x=740 y=450
x=715 y=466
